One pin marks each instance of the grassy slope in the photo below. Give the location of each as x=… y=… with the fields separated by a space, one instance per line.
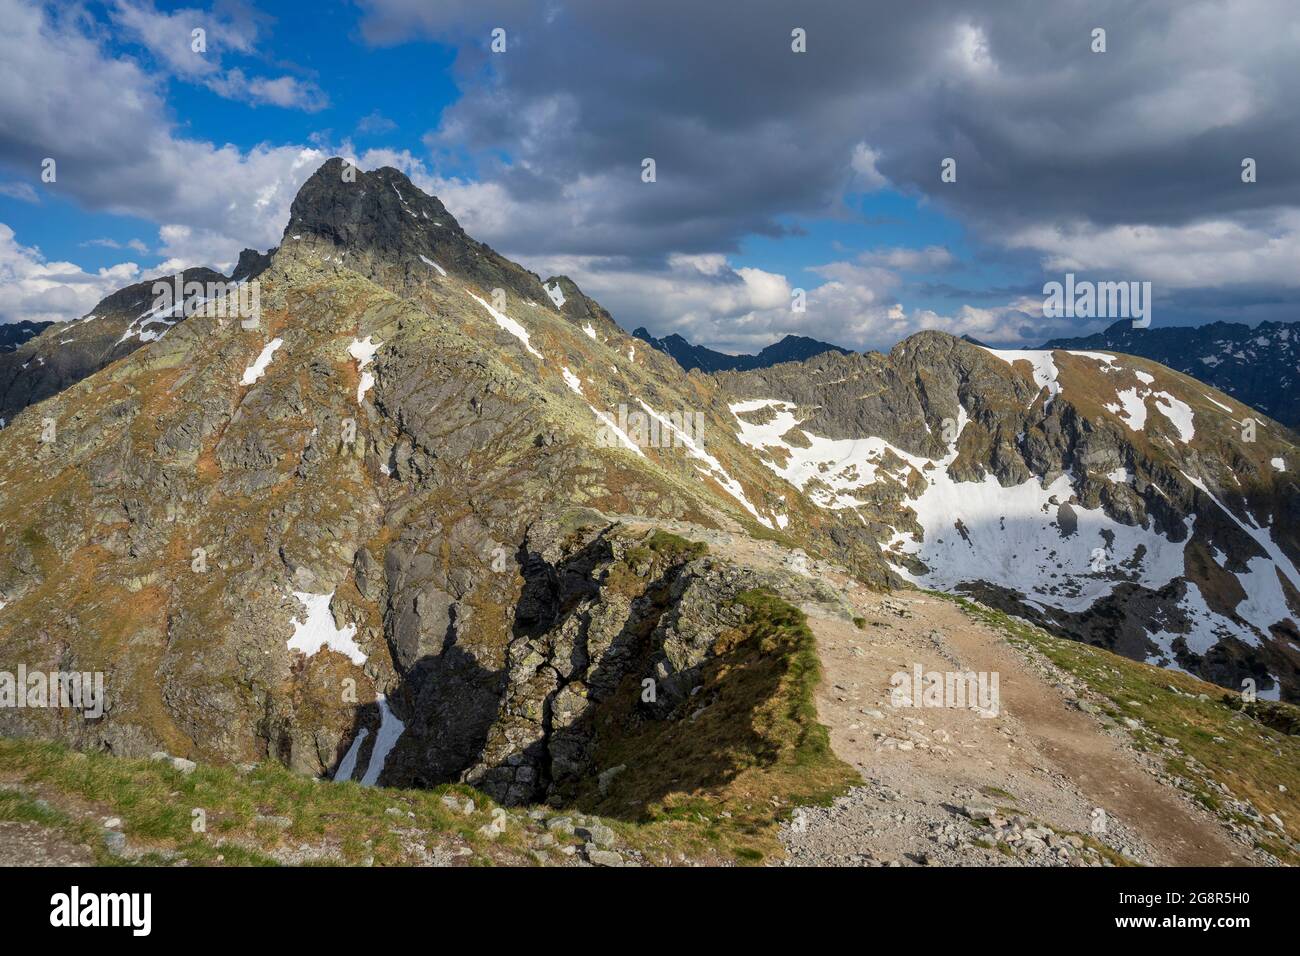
x=748 y=749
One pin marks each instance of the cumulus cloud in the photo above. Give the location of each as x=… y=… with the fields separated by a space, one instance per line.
x=1215 y=252
x=170 y=39
x=1059 y=150
x=38 y=290
x=116 y=151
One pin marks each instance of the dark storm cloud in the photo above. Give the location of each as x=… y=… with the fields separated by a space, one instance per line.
x=744 y=131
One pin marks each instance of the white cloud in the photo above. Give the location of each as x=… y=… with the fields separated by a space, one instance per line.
x=20 y=191
x=864 y=161
x=35 y=289
x=906 y=259
x=134 y=244
x=169 y=38
x=285 y=91
x=117 y=152
x=1210 y=253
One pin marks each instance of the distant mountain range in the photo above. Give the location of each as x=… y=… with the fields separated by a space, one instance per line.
x=14 y=334
x=792 y=348
x=1255 y=365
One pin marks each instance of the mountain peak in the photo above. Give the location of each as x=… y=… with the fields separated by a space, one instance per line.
x=350 y=207
x=383 y=226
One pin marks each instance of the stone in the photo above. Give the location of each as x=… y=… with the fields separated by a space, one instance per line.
x=606 y=777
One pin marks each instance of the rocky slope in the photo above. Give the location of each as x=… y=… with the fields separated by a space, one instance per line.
x=1104 y=496
x=791 y=348
x=63 y=353
x=1257 y=365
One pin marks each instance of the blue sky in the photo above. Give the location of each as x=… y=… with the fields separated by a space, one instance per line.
x=777 y=170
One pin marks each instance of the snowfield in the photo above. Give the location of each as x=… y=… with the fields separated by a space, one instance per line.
x=1024 y=538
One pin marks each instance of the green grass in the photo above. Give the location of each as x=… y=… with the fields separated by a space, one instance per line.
x=997 y=792
x=156 y=804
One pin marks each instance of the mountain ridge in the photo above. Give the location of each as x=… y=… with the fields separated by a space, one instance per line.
x=790 y=348
x=1255 y=364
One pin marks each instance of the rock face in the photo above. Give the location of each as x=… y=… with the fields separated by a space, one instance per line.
x=379 y=225
x=600 y=614
x=1256 y=365
x=1103 y=496
x=791 y=348
x=370 y=535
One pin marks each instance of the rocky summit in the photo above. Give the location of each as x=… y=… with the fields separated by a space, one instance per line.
x=429 y=518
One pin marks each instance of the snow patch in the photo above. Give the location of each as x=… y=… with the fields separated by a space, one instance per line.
x=1132 y=408
x=348 y=765
x=712 y=467
x=616 y=431
x=1178 y=412
x=1042 y=363
x=390 y=730
x=363 y=350
x=256 y=370
x=509 y=324
x=318 y=630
